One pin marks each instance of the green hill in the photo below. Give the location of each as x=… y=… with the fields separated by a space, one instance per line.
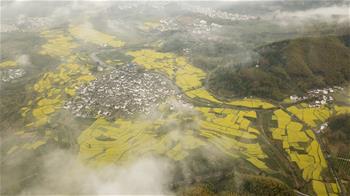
x=287 y=67
x=337 y=139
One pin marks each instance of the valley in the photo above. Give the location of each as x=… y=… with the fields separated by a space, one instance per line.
x=246 y=122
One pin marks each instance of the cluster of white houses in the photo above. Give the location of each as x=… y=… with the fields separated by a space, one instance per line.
x=8 y=75
x=202 y=26
x=317 y=97
x=167 y=24
x=24 y=23
x=122 y=92
x=212 y=13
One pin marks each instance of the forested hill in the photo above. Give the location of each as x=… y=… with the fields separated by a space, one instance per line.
x=287 y=67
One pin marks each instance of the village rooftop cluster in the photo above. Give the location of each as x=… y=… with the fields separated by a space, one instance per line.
x=26 y=24
x=125 y=91
x=11 y=74
x=167 y=24
x=317 y=97
x=212 y=13
x=202 y=26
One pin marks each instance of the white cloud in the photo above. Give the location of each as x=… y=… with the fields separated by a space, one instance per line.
x=322 y=14
x=63 y=173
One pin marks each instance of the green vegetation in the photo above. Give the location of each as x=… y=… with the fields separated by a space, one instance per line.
x=238 y=184
x=287 y=67
x=196 y=190
x=337 y=138
x=338 y=133
x=264 y=186
x=340 y=125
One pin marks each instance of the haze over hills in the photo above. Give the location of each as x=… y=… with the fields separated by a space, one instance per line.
x=174 y=98
x=288 y=67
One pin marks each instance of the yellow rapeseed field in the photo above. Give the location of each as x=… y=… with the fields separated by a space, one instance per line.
x=301 y=145
x=127 y=140
x=251 y=103
x=150 y=25
x=8 y=64
x=51 y=89
x=87 y=33
x=58 y=44
x=322 y=188
x=123 y=140
x=202 y=94
x=311 y=116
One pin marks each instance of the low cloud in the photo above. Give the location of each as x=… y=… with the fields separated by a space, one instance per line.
x=63 y=173
x=333 y=13
x=23 y=60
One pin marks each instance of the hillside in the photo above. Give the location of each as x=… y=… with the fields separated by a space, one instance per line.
x=238 y=184
x=337 y=139
x=338 y=133
x=287 y=67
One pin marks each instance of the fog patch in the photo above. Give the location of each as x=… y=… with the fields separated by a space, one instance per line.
x=338 y=14
x=64 y=173
x=23 y=60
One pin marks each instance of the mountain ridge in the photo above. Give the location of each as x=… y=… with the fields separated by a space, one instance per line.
x=287 y=67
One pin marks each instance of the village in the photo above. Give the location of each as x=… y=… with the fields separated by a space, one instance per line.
x=167 y=24
x=26 y=24
x=212 y=13
x=11 y=74
x=125 y=91
x=202 y=26
x=317 y=97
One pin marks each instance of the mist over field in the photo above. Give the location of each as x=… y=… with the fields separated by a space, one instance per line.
x=143 y=176
x=174 y=97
